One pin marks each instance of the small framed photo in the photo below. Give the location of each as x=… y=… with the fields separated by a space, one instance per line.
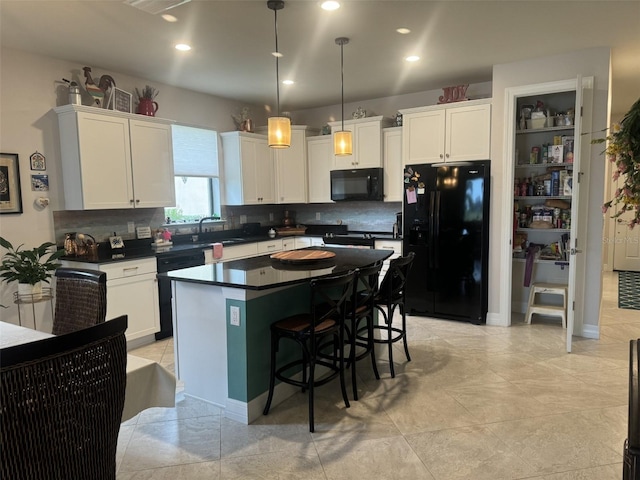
x=40 y=183
x=122 y=101
x=38 y=162
x=10 y=194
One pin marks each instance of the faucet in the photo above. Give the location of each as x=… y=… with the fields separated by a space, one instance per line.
x=203 y=219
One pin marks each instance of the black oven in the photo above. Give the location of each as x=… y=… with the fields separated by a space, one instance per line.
x=357 y=185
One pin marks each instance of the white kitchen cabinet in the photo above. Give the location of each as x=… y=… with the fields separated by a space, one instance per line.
x=248 y=169
x=244 y=250
x=132 y=290
x=367 y=142
x=270 y=246
x=393 y=245
x=289 y=243
x=304 y=242
x=114 y=160
x=290 y=164
x=447 y=133
x=393 y=171
x=321 y=161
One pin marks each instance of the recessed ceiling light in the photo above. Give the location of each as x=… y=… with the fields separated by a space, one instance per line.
x=277 y=54
x=169 y=18
x=183 y=47
x=288 y=82
x=403 y=30
x=330 y=5
x=412 y=58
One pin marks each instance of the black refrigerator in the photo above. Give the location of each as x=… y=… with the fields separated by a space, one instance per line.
x=446 y=225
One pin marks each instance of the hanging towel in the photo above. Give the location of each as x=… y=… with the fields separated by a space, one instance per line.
x=528 y=269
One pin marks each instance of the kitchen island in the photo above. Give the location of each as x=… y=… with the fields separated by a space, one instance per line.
x=222 y=314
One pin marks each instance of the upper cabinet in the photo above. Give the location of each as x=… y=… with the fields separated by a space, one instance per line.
x=393 y=171
x=367 y=142
x=248 y=169
x=115 y=160
x=320 y=161
x=447 y=133
x=291 y=167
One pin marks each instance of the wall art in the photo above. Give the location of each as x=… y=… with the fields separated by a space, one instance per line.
x=10 y=194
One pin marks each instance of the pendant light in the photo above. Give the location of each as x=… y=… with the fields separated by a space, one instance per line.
x=279 y=128
x=342 y=140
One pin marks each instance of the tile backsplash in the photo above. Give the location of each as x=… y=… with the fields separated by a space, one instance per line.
x=101 y=224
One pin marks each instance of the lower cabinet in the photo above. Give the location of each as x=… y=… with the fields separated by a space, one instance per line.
x=132 y=290
x=395 y=245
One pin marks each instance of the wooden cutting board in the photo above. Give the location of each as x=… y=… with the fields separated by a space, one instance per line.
x=302 y=256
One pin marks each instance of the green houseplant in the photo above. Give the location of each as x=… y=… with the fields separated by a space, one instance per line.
x=28 y=267
x=623 y=149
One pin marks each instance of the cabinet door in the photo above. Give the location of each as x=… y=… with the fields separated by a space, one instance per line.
x=320 y=159
x=468 y=133
x=152 y=164
x=249 y=151
x=393 y=172
x=423 y=137
x=136 y=297
x=367 y=145
x=103 y=162
x=264 y=177
x=291 y=170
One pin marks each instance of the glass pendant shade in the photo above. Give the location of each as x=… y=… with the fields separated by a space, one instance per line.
x=279 y=132
x=342 y=143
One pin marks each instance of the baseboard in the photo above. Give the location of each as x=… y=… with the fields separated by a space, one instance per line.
x=590 y=331
x=496 y=320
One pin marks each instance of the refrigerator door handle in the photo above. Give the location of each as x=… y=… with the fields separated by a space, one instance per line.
x=436 y=232
x=431 y=236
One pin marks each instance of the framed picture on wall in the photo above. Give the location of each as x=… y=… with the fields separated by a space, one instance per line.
x=10 y=194
x=122 y=101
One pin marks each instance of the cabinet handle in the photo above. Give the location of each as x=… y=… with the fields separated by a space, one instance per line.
x=441 y=156
x=137 y=200
x=447 y=155
x=131 y=201
x=129 y=271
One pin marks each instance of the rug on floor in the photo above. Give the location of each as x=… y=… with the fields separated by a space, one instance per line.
x=629 y=290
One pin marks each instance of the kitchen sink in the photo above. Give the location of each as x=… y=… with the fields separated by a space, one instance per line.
x=228 y=241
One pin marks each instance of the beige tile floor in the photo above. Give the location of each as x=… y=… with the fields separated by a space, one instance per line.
x=476 y=402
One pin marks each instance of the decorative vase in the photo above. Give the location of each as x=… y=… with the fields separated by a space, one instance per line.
x=148 y=107
x=29 y=292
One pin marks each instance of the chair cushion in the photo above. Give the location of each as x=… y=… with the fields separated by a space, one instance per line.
x=301 y=322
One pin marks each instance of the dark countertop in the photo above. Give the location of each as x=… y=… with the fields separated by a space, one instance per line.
x=141 y=249
x=261 y=273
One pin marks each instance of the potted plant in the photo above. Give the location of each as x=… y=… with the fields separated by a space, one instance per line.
x=623 y=149
x=29 y=267
x=146 y=101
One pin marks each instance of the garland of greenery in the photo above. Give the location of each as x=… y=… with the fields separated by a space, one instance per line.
x=623 y=149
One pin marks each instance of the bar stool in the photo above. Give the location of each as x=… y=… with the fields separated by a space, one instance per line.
x=542 y=309
x=325 y=319
x=391 y=296
x=359 y=322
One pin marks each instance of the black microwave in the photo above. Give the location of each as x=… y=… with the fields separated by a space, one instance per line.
x=357 y=185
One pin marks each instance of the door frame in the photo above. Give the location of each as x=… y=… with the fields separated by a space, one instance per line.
x=511 y=95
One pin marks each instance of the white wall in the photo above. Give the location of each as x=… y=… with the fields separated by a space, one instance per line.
x=386 y=106
x=591 y=62
x=30 y=86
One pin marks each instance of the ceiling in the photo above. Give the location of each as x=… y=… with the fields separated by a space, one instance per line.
x=458 y=42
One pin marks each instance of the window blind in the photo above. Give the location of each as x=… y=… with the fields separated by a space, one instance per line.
x=195 y=151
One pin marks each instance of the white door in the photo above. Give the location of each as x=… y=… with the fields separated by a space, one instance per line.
x=577 y=258
x=626 y=249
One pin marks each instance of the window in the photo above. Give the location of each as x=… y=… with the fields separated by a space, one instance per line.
x=195 y=161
